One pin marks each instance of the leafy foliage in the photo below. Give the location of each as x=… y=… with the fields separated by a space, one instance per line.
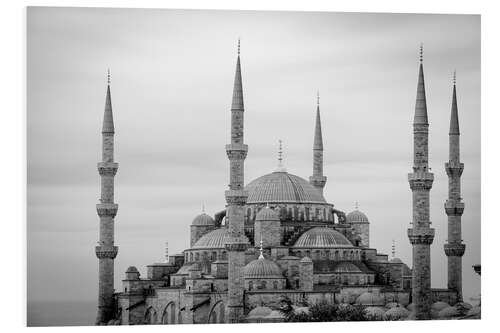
x=323 y=312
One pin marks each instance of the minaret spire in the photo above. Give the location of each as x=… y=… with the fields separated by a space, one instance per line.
x=454 y=207
x=106 y=251
x=421 y=235
x=317 y=179
x=280 y=167
x=236 y=198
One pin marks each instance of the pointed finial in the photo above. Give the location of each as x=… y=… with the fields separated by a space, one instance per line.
x=238 y=45
x=109 y=77
x=203 y=207
x=455 y=77
x=356 y=205
x=317 y=98
x=421 y=52
x=261 y=256
x=393 y=249
x=280 y=154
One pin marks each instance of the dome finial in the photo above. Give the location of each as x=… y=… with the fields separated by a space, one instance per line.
x=280 y=167
x=261 y=256
x=317 y=101
x=455 y=77
x=203 y=207
x=356 y=205
x=421 y=52
x=238 y=46
x=393 y=249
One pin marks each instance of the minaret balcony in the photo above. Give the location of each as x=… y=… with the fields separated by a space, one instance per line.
x=107 y=168
x=454 y=208
x=421 y=236
x=317 y=181
x=421 y=180
x=236 y=151
x=454 y=168
x=236 y=197
x=106 y=252
x=454 y=249
x=107 y=209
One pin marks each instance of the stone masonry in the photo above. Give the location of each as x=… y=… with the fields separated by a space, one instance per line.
x=421 y=235
x=317 y=179
x=106 y=251
x=236 y=198
x=454 y=207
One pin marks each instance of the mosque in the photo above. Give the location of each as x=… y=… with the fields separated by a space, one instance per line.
x=279 y=238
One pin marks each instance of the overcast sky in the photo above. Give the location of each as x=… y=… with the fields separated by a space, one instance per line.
x=172 y=75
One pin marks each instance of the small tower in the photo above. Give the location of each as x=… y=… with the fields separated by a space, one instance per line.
x=421 y=234
x=201 y=225
x=454 y=207
x=317 y=179
x=236 y=198
x=106 y=251
x=360 y=225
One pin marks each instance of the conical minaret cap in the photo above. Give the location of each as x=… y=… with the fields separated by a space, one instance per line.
x=238 y=87
x=318 y=136
x=107 y=124
x=421 y=104
x=454 y=127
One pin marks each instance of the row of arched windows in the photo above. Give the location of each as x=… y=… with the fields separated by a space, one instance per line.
x=262 y=285
x=329 y=254
x=191 y=256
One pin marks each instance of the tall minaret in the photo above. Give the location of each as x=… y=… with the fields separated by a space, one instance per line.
x=454 y=206
x=421 y=234
x=317 y=179
x=106 y=251
x=236 y=198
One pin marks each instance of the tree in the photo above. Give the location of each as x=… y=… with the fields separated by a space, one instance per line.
x=323 y=312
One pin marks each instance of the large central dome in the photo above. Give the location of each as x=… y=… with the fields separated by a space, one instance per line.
x=282 y=187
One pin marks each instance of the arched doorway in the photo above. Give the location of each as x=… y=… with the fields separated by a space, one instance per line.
x=217 y=313
x=168 y=316
x=150 y=317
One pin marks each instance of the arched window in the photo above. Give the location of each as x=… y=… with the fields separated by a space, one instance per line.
x=214 y=256
x=250 y=285
x=263 y=285
x=275 y=284
x=191 y=256
x=337 y=256
x=197 y=256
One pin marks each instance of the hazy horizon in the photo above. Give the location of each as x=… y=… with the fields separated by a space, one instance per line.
x=172 y=73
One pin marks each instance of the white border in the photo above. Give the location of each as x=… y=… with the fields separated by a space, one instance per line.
x=13 y=149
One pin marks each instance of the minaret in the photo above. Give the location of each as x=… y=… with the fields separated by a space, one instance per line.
x=454 y=206
x=421 y=234
x=236 y=198
x=317 y=179
x=106 y=251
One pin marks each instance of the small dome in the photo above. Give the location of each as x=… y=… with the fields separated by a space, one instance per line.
x=306 y=260
x=368 y=298
x=260 y=311
x=132 y=269
x=267 y=214
x=320 y=237
x=375 y=312
x=203 y=220
x=438 y=306
x=356 y=216
x=347 y=267
x=448 y=312
x=215 y=239
x=262 y=269
x=396 y=313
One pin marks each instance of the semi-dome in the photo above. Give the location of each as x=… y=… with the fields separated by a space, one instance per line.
x=203 y=219
x=260 y=311
x=262 y=269
x=320 y=237
x=215 y=239
x=267 y=214
x=356 y=216
x=281 y=187
x=438 y=306
x=368 y=298
x=347 y=267
x=184 y=270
